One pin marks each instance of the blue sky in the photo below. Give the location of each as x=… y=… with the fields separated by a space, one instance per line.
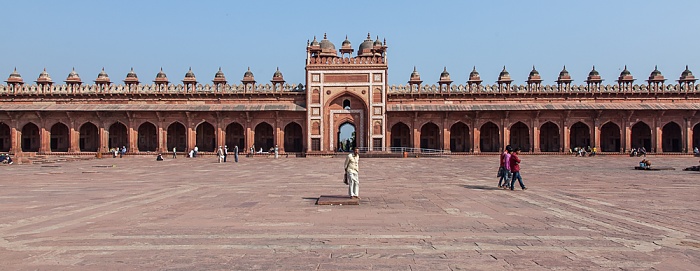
x=430 y=35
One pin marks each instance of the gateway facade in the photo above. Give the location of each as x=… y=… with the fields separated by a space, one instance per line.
x=347 y=87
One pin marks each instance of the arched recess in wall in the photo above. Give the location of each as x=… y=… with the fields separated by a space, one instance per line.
x=235 y=136
x=148 y=137
x=293 y=138
x=610 y=137
x=641 y=136
x=89 y=137
x=489 y=139
x=30 y=138
x=671 y=138
x=264 y=137
x=520 y=136
x=400 y=136
x=60 y=139
x=550 y=138
x=459 y=137
x=177 y=137
x=206 y=137
x=5 y=138
x=118 y=136
x=430 y=136
x=579 y=135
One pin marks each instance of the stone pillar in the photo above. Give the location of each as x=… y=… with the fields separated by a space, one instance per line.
x=133 y=136
x=15 y=144
x=504 y=138
x=596 y=134
x=688 y=138
x=446 y=134
x=535 y=138
x=416 y=138
x=73 y=138
x=162 y=138
x=566 y=136
x=104 y=139
x=44 y=140
x=626 y=136
x=656 y=137
x=476 y=139
x=191 y=137
x=249 y=137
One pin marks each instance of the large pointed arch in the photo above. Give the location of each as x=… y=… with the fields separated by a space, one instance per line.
x=430 y=136
x=89 y=137
x=520 y=136
x=264 y=136
x=293 y=138
x=696 y=136
x=118 y=136
x=235 y=136
x=671 y=138
x=459 y=137
x=148 y=137
x=30 y=138
x=549 y=137
x=5 y=137
x=206 y=137
x=177 y=137
x=610 y=137
x=489 y=139
x=400 y=136
x=579 y=135
x=60 y=138
x=641 y=136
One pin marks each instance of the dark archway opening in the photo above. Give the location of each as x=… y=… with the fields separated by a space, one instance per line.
x=696 y=136
x=89 y=137
x=264 y=137
x=177 y=137
x=489 y=141
x=520 y=136
x=235 y=136
x=610 y=137
x=59 y=138
x=148 y=137
x=549 y=138
x=430 y=137
x=672 y=138
x=346 y=137
x=117 y=136
x=206 y=137
x=641 y=136
x=459 y=137
x=293 y=138
x=5 y=138
x=400 y=136
x=30 y=138
x=579 y=136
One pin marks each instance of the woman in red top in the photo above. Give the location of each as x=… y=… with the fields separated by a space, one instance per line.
x=515 y=169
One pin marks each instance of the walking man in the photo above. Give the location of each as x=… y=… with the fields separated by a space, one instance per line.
x=515 y=169
x=225 y=152
x=196 y=150
x=235 y=153
x=277 y=152
x=174 y=152
x=220 y=154
x=504 y=170
x=122 y=152
x=352 y=168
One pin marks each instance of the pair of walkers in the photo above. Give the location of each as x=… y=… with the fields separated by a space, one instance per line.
x=509 y=169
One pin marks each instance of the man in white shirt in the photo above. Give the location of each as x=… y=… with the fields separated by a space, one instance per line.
x=352 y=168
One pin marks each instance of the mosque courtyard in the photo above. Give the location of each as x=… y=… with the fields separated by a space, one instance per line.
x=443 y=213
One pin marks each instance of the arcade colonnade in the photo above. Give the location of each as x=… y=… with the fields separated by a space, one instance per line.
x=87 y=133
x=608 y=134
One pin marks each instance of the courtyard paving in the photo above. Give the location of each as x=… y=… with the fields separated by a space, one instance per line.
x=415 y=214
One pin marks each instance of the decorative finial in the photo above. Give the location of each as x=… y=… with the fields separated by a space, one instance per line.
x=368 y=36
x=414 y=68
x=445 y=69
x=324 y=36
x=219 y=68
x=474 y=69
x=346 y=36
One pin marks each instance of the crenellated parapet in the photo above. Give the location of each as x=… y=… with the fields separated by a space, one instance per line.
x=475 y=89
x=141 y=89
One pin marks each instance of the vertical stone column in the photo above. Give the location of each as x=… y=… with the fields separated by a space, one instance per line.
x=627 y=135
x=162 y=138
x=191 y=136
x=656 y=137
x=535 y=138
x=15 y=140
x=596 y=134
x=104 y=137
x=133 y=136
x=249 y=137
x=566 y=136
x=688 y=138
x=73 y=138
x=44 y=139
x=504 y=138
x=476 y=138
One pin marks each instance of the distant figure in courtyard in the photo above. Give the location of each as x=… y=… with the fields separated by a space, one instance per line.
x=174 y=152
x=696 y=152
x=220 y=154
x=122 y=152
x=352 y=169
x=191 y=154
x=515 y=169
x=225 y=152
x=235 y=153
x=159 y=157
x=277 y=151
x=504 y=168
x=196 y=150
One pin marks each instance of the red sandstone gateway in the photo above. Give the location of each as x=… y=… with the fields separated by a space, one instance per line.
x=342 y=89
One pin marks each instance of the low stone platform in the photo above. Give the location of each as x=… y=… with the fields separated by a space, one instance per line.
x=337 y=200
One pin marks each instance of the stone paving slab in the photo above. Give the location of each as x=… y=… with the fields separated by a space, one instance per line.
x=337 y=200
x=135 y=213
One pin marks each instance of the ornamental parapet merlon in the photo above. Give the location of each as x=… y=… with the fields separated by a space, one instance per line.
x=360 y=60
x=140 y=89
x=474 y=89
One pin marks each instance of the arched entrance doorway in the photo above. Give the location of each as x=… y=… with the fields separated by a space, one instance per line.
x=264 y=137
x=347 y=137
x=520 y=136
x=580 y=135
x=117 y=136
x=30 y=138
x=672 y=138
x=206 y=137
x=430 y=136
x=400 y=136
x=59 y=138
x=5 y=139
x=696 y=136
x=489 y=141
x=641 y=136
x=549 y=137
x=148 y=137
x=459 y=137
x=235 y=136
x=293 y=138
x=610 y=137
x=177 y=137
x=89 y=137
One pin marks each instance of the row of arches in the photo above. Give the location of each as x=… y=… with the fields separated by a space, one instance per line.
x=176 y=137
x=549 y=139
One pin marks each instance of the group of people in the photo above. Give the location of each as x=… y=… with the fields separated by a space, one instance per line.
x=6 y=159
x=638 y=152
x=118 y=151
x=221 y=153
x=581 y=151
x=509 y=169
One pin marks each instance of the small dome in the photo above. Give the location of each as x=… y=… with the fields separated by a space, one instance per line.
x=504 y=73
x=189 y=73
x=44 y=76
x=314 y=42
x=655 y=72
x=474 y=73
x=534 y=72
x=219 y=74
x=625 y=72
x=686 y=72
x=248 y=73
x=593 y=72
x=365 y=46
x=131 y=74
x=346 y=42
x=563 y=72
x=73 y=75
x=415 y=73
x=15 y=74
x=377 y=42
x=327 y=44
x=103 y=75
x=277 y=73
x=161 y=74
x=445 y=75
